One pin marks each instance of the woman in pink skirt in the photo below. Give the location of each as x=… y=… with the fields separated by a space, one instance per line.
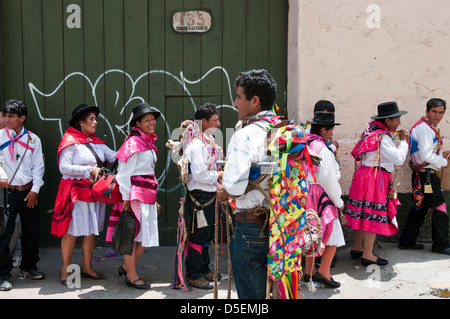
x=370 y=209
x=324 y=197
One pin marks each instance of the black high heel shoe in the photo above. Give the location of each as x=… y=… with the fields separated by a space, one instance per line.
x=132 y=283
x=122 y=271
x=328 y=283
x=379 y=262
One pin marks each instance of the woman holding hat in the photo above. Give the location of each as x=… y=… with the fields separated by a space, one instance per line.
x=371 y=207
x=324 y=197
x=80 y=154
x=138 y=186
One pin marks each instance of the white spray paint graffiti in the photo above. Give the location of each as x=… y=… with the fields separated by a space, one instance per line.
x=130 y=101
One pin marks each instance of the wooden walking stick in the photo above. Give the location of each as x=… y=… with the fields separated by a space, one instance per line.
x=228 y=218
x=216 y=249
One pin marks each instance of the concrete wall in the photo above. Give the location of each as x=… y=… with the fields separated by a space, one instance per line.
x=337 y=52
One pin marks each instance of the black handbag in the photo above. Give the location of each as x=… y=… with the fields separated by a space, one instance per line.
x=123 y=235
x=4 y=209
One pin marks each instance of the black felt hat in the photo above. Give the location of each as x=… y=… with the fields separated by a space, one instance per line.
x=323 y=118
x=142 y=109
x=388 y=110
x=82 y=109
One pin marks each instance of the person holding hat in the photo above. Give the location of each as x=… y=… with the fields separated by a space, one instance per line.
x=371 y=206
x=427 y=159
x=323 y=106
x=204 y=177
x=24 y=168
x=80 y=156
x=138 y=186
x=324 y=197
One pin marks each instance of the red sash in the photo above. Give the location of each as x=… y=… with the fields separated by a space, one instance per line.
x=69 y=192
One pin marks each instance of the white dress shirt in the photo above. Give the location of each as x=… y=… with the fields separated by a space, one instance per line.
x=140 y=163
x=424 y=136
x=32 y=167
x=328 y=176
x=246 y=146
x=199 y=159
x=390 y=154
x=75 y=160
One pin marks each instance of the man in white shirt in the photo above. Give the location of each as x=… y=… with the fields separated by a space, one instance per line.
x=249 y=246
x=202 y=154
x=427 y=159
x=24 y=166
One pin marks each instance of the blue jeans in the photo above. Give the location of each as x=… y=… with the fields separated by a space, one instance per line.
x=248 y=254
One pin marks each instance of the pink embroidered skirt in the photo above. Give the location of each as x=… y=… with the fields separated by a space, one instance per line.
x=369 y=207
x=319 y=201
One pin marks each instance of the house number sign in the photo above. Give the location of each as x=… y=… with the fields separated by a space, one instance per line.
x=192 y=21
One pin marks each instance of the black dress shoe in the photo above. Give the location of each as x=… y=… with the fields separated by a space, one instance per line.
x=379 y=262
x=356 y=254
x=414 y=247
x=328 y=283
x=132 y=283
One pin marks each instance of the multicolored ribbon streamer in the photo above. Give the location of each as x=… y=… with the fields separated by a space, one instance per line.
x=288 y=215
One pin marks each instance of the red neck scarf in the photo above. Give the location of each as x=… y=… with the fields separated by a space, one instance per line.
x=73 y=136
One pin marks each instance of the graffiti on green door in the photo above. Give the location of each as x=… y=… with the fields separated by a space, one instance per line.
x=118 y=131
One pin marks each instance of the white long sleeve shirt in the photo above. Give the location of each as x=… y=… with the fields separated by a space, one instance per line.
x=199 y=159
x=75 y=160
x=140 y=163
x=328 y=176
x=390 y=154
x=425 y=136
x=246 y=146
x=32 y=167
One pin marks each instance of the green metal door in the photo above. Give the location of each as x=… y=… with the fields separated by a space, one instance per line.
x=116 y=53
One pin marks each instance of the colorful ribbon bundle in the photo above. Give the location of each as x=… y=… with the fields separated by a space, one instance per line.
x=288 y=213
x=180 y=281
x=417 y=193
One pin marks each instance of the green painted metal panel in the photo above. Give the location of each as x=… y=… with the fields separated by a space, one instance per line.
x=116 y=53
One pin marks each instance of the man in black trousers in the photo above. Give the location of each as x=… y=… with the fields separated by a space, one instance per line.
x=24 y=166
x=427 y=159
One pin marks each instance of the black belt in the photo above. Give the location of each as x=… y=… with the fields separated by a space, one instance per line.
x=200 y=192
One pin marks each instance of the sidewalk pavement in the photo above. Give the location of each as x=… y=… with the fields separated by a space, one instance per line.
x=409 y=275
